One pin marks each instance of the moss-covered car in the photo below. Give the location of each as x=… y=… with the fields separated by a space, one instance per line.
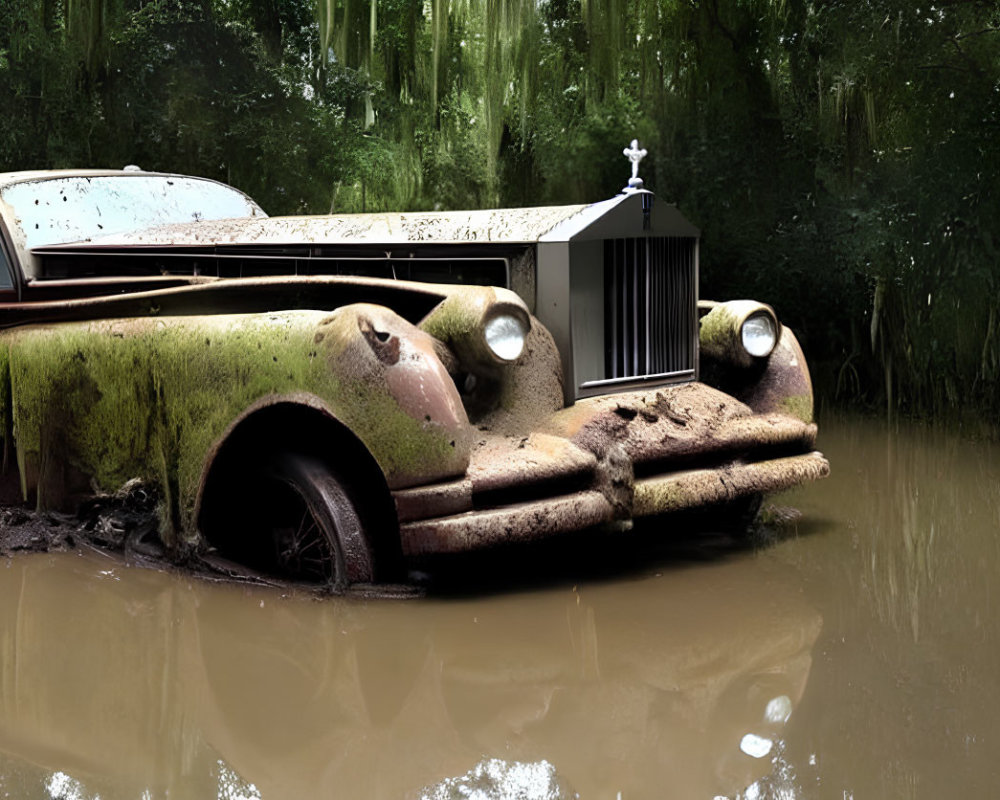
x=326 y=397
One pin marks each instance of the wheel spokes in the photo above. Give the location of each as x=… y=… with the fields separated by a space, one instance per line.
x=302 y=549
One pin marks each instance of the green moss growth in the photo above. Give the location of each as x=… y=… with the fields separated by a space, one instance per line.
x=719 y=335
x=799 y=406
x=715 y=335
x=5 y=420
x=661 y=499
x=403 y=446
x=457 y=320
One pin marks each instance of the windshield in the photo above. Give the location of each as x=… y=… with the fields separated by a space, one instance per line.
x=75 y=209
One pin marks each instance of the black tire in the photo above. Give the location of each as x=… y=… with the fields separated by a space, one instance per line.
x=312 y=524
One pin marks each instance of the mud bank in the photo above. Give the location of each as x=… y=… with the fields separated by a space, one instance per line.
x=24 y=532
x=124 y=525
x=124 y=522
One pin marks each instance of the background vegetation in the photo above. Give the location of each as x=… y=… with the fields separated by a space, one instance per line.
x=839 y=155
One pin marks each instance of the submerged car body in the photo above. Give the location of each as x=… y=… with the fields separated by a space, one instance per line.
x=326 y=396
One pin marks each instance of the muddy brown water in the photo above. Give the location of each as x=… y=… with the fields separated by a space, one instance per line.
x=854 y=655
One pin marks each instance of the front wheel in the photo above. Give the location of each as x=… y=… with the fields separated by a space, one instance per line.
x=314 y=525
x=291 y=515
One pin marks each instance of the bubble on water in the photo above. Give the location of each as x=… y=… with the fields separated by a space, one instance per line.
x=756 y=746
x=779 y=709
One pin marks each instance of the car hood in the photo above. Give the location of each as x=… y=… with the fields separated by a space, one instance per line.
x=517 y=225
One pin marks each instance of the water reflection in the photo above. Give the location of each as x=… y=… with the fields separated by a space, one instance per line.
x=920 y=508
x=131 y=683
x=903 y=696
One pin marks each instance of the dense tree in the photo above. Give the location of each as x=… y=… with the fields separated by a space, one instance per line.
x=836 y=153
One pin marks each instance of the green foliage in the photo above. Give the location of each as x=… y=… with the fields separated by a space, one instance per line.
x=835 y=153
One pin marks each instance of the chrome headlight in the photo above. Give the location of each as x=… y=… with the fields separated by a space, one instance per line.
x=759 y=335
x=505 y=336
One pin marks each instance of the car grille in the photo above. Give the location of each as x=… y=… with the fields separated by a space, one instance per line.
x=650 y=313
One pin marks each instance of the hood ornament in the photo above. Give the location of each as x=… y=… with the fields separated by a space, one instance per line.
x=634 y=154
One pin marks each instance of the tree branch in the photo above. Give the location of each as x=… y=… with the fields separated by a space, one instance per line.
x=951 y=67
x=717 y=19
x=973 y=66
x=961 y=36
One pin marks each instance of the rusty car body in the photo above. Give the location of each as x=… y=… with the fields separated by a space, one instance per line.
x=326 y=397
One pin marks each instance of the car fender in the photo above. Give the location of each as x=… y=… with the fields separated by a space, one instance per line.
x=95 y=404
x=778 y=383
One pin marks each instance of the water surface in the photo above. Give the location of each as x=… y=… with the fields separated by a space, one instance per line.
x=854 y=654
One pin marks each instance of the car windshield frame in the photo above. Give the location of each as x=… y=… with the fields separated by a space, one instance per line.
x=65 y=209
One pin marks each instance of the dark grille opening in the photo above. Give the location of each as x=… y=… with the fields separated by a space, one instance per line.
x=265 y=262
x=650 y=304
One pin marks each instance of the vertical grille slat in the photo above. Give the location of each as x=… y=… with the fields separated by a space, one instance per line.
x=649 y=307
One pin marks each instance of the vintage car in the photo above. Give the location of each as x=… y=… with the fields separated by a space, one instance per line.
x=327 y=398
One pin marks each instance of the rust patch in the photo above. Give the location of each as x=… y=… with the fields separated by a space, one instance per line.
x=384 y=345
x=405 y=357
